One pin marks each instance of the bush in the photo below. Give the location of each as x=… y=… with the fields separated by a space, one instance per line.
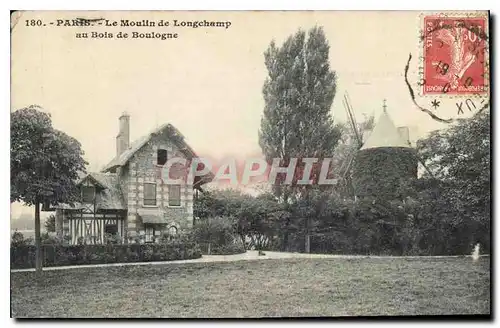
x=112 y=239
x=18 y=239
x=23 y=256
x=48 y=239
x=218 y=231
x=230 y=249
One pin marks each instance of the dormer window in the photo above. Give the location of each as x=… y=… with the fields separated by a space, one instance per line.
x=161 y=157
x=88 y=194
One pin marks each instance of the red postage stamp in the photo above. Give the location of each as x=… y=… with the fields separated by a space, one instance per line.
x=455 y=55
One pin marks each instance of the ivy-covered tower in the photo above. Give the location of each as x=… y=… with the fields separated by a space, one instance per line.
x=385 y=163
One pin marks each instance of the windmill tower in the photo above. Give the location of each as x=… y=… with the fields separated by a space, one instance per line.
x=385 y=161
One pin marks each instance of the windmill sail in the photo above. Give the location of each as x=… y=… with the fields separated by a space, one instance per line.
x=352 y=118
x=347 y=163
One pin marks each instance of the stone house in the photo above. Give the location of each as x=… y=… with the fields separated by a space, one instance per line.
x=129 y=197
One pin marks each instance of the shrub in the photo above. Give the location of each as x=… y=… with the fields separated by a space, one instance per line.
x=217 y=231
x=229 y=249
x=112 y=239
x=18 y=239
x=48 y=239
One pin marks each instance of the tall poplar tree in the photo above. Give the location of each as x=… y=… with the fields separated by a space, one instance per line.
x=298 y=94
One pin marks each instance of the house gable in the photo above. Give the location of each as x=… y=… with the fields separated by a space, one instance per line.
x=165 y=136
x=148 y=195
x=108 y=195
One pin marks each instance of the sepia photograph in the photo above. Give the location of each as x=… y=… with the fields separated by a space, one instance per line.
x=250 y=164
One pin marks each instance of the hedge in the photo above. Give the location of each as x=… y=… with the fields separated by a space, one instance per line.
x=23 y=256
x=229 y=249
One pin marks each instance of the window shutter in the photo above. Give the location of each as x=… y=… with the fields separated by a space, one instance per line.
x=149 y=194
x=88 y=193
x=174 y=195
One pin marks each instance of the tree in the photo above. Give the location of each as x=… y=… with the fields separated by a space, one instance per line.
x=459 y=159
x=215 y=231
x=253 y=217
x=50 y=223
x=44 y=164
x=298 y=94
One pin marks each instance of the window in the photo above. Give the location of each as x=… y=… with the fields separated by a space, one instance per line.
x=111 y=229
x=88 y=193
x=149 y=233
x=150 y=194
x=172 y=231
x=174 y=195
x=161 y=157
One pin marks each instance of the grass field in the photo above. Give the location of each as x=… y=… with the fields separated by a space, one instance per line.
x=265 y=288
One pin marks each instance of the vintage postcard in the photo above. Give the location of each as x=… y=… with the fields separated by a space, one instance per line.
x=250 y=164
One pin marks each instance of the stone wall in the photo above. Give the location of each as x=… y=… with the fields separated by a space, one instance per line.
x=143 y=168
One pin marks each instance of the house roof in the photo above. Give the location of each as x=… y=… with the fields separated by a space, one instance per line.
x=177 y=138
x=110 y=195
x=384 y=134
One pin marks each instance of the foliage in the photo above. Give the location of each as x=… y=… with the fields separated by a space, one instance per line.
x=216 y=231
x=298 y=94
x=23 y=256
x=44 y=162
x=50 y=223
x=459 y=190
x=48 y=238
x=182 y=236
x=442 y=215
x=423 y=225
x=254 y=218
x=297 y=123
x=112 y=238
x=377 y=172
x=236 y=247
x=460 y=156
x=17 y=240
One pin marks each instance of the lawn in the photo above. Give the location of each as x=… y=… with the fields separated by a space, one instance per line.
x=265 y=288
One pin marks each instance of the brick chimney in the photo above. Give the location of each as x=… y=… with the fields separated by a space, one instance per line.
x=123 y=137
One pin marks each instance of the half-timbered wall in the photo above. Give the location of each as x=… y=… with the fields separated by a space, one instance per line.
x=87 y=225
x=92 y=228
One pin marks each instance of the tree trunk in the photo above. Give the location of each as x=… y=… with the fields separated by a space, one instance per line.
x=284 y=246
x=38 y=241
x=308 y=237
x=308 y=225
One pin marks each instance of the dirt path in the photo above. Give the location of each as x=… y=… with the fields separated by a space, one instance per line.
x=249 y=255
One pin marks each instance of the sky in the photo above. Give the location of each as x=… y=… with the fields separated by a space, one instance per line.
x=207 y=82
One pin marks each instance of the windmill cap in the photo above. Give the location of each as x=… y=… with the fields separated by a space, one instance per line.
x=385 y=134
